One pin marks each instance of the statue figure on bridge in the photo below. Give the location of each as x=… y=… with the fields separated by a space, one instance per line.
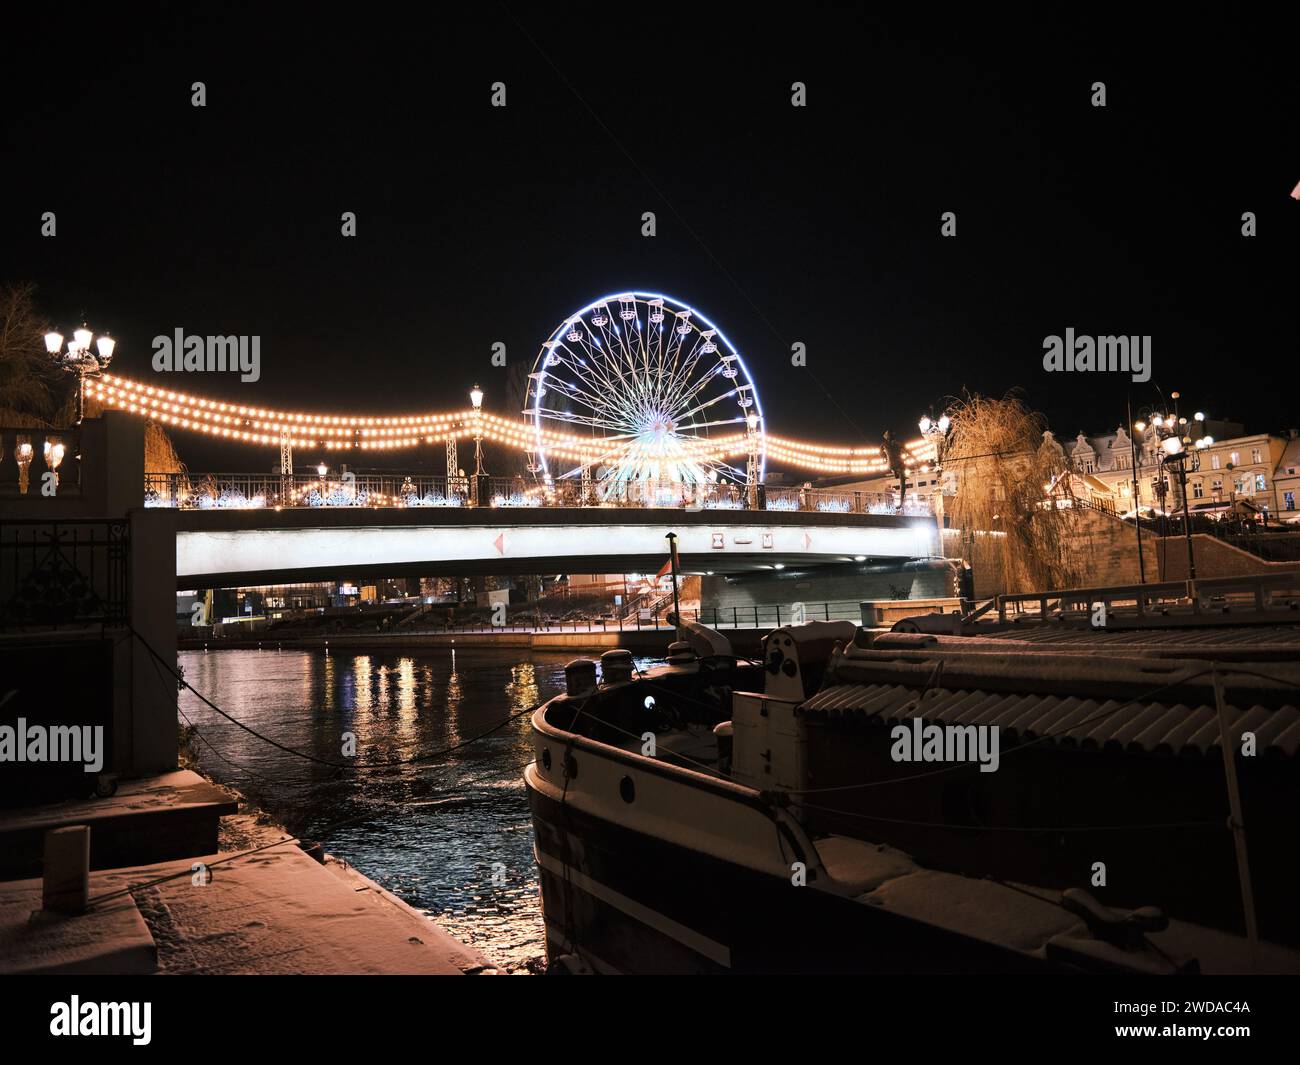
x=894 y=456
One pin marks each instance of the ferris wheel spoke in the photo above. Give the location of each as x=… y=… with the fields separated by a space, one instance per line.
x=597 y=386
x=709 y=425
x=688 y=391
x=576 y=419
x=710 y=403
x=567 y=388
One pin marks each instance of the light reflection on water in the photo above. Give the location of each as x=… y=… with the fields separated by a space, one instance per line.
x=431 y=833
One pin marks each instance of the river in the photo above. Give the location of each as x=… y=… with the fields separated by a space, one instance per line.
x=452 y=837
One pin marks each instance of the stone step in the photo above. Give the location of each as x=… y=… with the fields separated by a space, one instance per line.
x=111 y=937
x=152 y=819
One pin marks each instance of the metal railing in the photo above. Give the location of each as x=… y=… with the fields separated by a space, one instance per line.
x=243 y=491
x=74 y=572
x=1264 y=594
x=774 y=615
x=1269 y=546
x=752 y=616
x=749 y=616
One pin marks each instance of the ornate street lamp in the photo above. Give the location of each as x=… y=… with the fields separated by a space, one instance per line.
x=936 y=431
x=476 y=401
x=80 y=359
x=1155 y=426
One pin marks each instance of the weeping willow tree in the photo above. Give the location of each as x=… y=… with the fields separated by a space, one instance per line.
x=999 y=465
x=33 y=390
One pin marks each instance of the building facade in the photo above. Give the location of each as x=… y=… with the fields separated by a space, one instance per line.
x=1244 y=468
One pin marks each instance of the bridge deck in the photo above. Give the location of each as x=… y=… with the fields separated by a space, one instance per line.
x=264 y=546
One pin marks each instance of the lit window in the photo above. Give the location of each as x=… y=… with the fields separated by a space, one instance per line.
x=1198 y=490
x=1254 y=455
x=1235 y=458
x=1288 y=499
x=1261 y=485
x=1214 y=461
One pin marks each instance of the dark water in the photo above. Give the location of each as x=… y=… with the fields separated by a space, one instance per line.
x=434 y=834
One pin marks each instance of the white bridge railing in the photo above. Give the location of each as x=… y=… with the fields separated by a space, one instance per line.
x=245 y=491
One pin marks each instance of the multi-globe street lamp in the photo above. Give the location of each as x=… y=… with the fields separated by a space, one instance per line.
x=935 y=430
x=1174 y=435
x=80 y=359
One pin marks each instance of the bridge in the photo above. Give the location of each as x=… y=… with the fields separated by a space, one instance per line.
x=247 y=547
x=641 y=418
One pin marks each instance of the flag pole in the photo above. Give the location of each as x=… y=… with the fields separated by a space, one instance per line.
x=672 y=559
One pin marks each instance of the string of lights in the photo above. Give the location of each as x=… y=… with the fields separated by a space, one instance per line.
x=267 y=427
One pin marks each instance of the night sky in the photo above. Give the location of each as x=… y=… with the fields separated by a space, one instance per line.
x=818 y=224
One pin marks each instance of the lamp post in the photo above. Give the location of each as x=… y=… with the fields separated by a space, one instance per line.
x=476 y=402
x=672 y=562
x=936 y=431
x=1161 y=426
x=1173 y=434
x=80 y=359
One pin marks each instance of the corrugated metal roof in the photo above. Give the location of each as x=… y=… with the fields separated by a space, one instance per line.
x=1069 y=721
x=1040 y=633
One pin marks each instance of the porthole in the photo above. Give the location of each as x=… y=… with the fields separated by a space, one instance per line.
x=546 y=758
x=627 y=789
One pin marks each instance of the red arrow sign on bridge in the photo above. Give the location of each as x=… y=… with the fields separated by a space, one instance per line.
x=500 y=543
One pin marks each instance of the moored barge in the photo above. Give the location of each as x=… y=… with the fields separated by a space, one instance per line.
x=719 y=815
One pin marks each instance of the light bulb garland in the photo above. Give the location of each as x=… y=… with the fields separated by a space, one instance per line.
x=303 y=429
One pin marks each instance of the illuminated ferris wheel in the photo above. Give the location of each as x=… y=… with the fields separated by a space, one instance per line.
x=638 y=391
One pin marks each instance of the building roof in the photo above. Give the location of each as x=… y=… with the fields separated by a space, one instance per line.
x=1290 y=460
x=1087 y=480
